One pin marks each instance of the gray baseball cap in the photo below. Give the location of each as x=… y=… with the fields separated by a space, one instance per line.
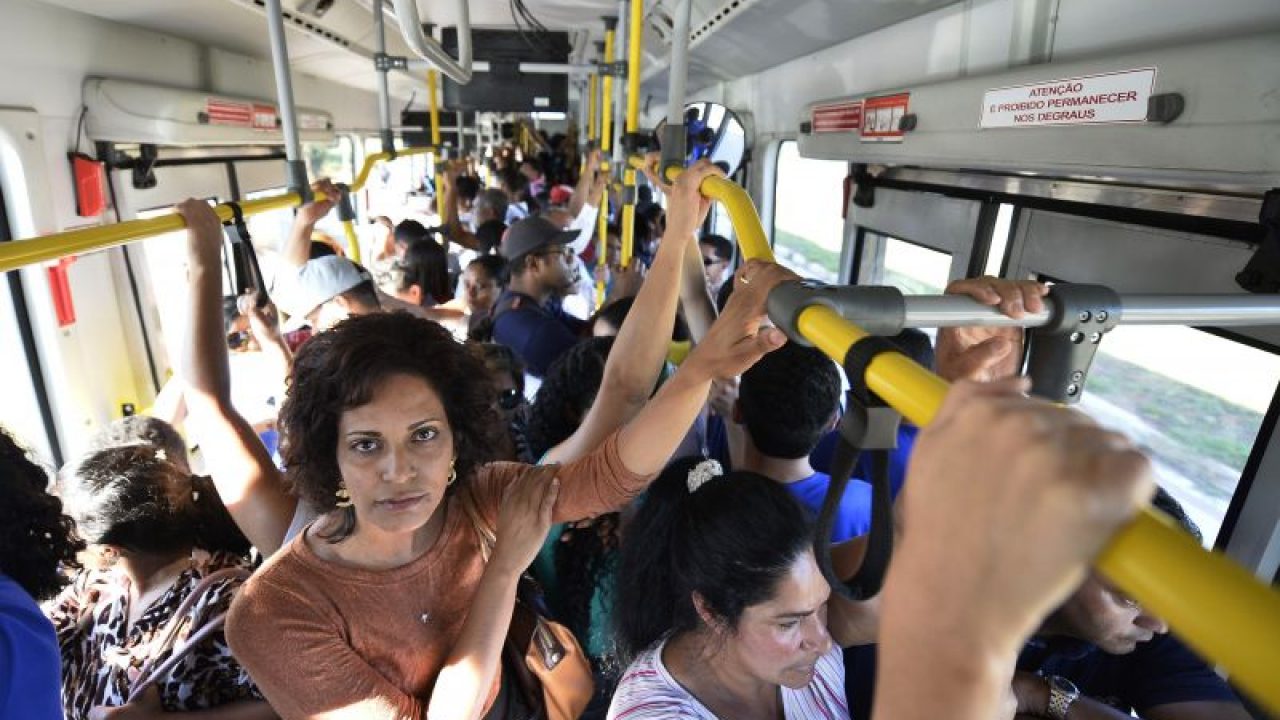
x=532 y=234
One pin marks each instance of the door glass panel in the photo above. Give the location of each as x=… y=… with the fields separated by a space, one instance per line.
x=1194 y=401
x=808 y=219
x=915 y=269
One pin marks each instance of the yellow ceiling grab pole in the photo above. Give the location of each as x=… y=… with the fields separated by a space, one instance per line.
x=606 y=133
x=1218 y=608
x=635 y=25
x=14 y=255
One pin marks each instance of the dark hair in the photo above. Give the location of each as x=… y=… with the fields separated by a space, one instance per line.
x=513 y=181
x=467 y=186
x=1165 y=502
x=408 y=231
x=341 y=368
x=916 y=345
x=501 y=360
x=142 y=430
x=722 y=245
x=788 y=399
x=37 y=540
x=135 y=498
x=567 y=392
x=426 y=264
x=364 y=294
x=616 y=312
x=730 y=542
x=723 y=294
x=317 y=249
x=495 y=266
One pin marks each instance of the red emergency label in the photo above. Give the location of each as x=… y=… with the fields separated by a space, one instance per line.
x=882 y=117
x=229 y=112
x=838 y=117
x=264 y=117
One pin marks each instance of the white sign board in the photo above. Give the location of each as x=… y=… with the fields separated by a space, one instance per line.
x=1106 y=98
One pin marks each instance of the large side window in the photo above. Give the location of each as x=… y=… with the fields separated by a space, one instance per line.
x=915 y=269
x=1194 y=401
x=808 y=216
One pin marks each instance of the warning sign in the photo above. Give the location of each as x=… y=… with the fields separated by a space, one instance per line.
x=839 y=117
x=264 y=117
x=1106 y=98
x=228 y=112
x=882 y=118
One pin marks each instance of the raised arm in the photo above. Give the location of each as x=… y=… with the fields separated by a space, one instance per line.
x=699 y=308
x=641 y=347
x=297 y=245
x=586 y=185
x=1007 y=501
x=249 y=484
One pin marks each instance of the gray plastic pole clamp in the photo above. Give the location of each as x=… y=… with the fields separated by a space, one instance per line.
x=1062 y=350
x=296 y=177
x=346 y=211
x=673 y=148
x=876 y=310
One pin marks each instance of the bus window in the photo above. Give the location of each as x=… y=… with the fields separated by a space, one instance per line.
x=335 y=161
x=1194 y=401
x=808 y=216
x=915 y=269
x=1000 y=236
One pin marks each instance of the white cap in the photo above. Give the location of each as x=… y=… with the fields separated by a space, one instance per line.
x=317 y=282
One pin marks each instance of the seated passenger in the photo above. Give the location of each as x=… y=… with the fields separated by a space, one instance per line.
x=722 y=610
x=1119 y=659
x=142 y=629
x=787 y=402
x=482 y=283
x=37 y=544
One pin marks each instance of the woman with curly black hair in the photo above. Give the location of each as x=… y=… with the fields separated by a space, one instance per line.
x=37 y=544
x=391 y=604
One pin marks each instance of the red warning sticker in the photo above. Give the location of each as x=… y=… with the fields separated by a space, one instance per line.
x=837 y=117
x=228 y=112
x=882 y=118
x=264 y=117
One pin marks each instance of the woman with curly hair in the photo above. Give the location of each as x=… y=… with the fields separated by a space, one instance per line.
x=140 y=628
x=389 y=605
x=37 y=543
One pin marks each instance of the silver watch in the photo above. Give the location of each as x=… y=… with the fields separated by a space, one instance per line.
x=1062 y=693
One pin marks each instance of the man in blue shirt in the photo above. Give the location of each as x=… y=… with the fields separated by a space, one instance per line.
x=787 y=401
x=527 y=317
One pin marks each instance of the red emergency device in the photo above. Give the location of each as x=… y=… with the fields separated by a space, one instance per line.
x=91 y=200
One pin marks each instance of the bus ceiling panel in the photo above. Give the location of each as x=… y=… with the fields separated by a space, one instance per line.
x=1131 y=259
x=125 y=111
x=1211 y=105
x=735 y=38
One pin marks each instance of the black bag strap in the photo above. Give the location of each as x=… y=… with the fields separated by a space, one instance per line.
x=865 y=417
x=244 y=258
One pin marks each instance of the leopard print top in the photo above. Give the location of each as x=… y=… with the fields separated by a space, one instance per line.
x=101 y=660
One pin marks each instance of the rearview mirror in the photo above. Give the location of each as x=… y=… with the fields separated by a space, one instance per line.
x=715 y=132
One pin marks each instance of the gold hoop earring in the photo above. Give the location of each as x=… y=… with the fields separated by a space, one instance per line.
x=343 y=495
x=453 y=472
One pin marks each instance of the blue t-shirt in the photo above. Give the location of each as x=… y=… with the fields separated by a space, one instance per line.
x=1160 y=671
x=853 y=518
x=822 y=455
x=30 y=667
x=537 y=334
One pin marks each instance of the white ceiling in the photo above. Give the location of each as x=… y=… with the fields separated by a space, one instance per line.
x=757 y=35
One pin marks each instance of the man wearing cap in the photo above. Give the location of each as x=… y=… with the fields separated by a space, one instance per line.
x=325 y=291
x=525 y=318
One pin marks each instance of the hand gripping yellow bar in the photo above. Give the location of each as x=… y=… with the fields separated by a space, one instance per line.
x=1219 y=609
x=17 y=254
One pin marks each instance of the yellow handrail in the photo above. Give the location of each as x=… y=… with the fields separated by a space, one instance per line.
x=635 y=26
x=1219 y=609
x=14 y=255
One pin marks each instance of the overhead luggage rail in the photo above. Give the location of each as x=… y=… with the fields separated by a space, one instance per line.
x=1219 y=609
x=14 y=255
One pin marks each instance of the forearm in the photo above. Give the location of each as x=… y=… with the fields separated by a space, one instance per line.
x=297 y=246
x=642 y=342
x=646 y=443
x=206 y=369
x=473 y=665
x=699 y=309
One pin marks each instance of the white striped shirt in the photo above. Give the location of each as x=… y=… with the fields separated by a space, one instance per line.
x=647 y=691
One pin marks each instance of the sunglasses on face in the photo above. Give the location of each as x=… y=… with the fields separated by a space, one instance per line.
x=708 y=262
x=510 y=399
x=563 y=250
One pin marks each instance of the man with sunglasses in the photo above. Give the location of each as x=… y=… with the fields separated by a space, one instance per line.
x=1102 y=655
x=528 y=319
x=717 y=255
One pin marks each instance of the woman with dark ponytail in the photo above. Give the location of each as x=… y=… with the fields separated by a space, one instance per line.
x=722 y=610
x=142 y=628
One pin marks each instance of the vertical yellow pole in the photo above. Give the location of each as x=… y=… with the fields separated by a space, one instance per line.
x=606 y=133
x=353 y=240
x=634 y=28
x=591 y=107
x=433 y=107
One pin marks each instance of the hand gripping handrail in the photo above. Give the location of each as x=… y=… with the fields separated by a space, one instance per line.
x=428 y=49
x=14 y=255
x=1218 y=608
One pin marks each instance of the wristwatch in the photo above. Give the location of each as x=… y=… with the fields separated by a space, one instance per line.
x=1062 y=693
